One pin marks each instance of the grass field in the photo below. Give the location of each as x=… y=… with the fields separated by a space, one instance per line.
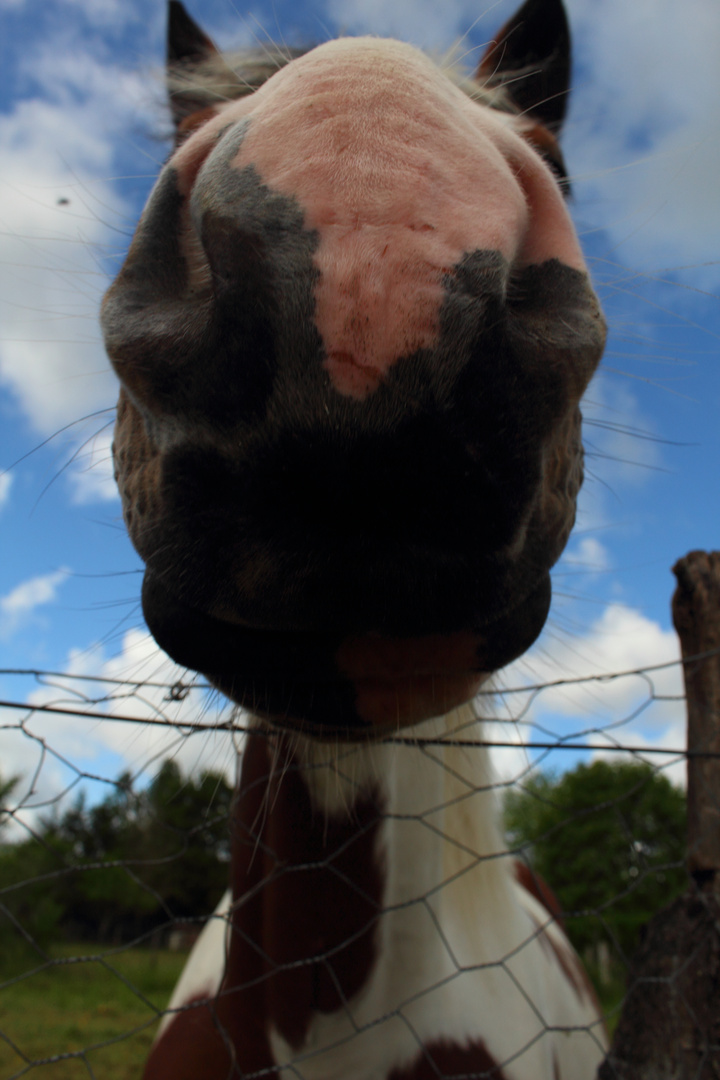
x=90 y=1015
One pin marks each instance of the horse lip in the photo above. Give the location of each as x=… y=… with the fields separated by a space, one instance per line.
x=375 y=658
x=299 y=682
x=463 y=688
x=228 y=653
x=215 y=646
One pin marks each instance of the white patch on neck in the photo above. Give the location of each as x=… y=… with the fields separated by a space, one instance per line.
x=459 y=958
x=459 y=955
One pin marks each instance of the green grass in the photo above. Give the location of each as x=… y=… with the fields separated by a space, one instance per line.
x=94 y=1010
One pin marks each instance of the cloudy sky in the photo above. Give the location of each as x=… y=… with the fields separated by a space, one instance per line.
x=82 y=135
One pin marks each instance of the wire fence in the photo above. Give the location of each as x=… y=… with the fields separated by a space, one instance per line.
x=110 y=870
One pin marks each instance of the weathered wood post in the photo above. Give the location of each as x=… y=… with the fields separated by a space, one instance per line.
x=669 y=1028
x=696 y=615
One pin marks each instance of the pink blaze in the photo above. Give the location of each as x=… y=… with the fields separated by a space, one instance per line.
x=401 y=174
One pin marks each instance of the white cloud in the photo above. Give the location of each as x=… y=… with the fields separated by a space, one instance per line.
x=425 y=23
x=672 y=738
x=587 y=554
x=51 y=281
x=91 y=477
x=6 y=481
x=621 y=639
x=105 y=12
x=19 y=606
x=598 y=688
x=622 y=451
x=644 y=135
x=55 y=753
x=61 y=223
x=138 y=687
x=620 y=443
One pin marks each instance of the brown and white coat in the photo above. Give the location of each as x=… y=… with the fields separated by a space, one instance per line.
x=378 y=928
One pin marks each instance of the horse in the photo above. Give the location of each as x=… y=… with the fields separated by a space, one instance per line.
x=352 y=332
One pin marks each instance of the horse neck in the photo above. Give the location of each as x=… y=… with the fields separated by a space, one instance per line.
x=334 y=845
x=430 y=779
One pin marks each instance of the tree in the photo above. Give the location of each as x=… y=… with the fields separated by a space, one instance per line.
x=6 y=789
x=28 y=912
x=609 y=839
x=186 y=839
x=122 y=867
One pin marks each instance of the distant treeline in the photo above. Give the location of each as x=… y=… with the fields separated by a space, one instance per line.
x=121 y=869
x=609 y=838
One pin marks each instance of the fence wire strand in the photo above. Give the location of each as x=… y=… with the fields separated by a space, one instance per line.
x=75 y=899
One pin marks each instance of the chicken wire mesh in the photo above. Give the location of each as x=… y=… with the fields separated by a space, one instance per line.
x=110 y=873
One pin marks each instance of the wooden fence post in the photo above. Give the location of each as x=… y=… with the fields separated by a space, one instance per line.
x=669 y=1028
x=696 y=615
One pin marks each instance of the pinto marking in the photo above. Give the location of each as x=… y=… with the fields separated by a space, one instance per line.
x=352 y=331
x=477 y=986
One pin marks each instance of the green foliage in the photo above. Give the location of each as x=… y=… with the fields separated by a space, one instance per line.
x=6 y=789
x=119 y=869
x=609 y=838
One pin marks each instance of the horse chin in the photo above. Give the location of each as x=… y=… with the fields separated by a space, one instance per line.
x=342 y=686
x=386 y=706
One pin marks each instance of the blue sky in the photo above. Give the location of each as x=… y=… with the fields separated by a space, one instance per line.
x=82 y=126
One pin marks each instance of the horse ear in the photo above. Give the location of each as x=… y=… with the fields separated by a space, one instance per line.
x=186 y=42
x=530 y=57
x=188 y=48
